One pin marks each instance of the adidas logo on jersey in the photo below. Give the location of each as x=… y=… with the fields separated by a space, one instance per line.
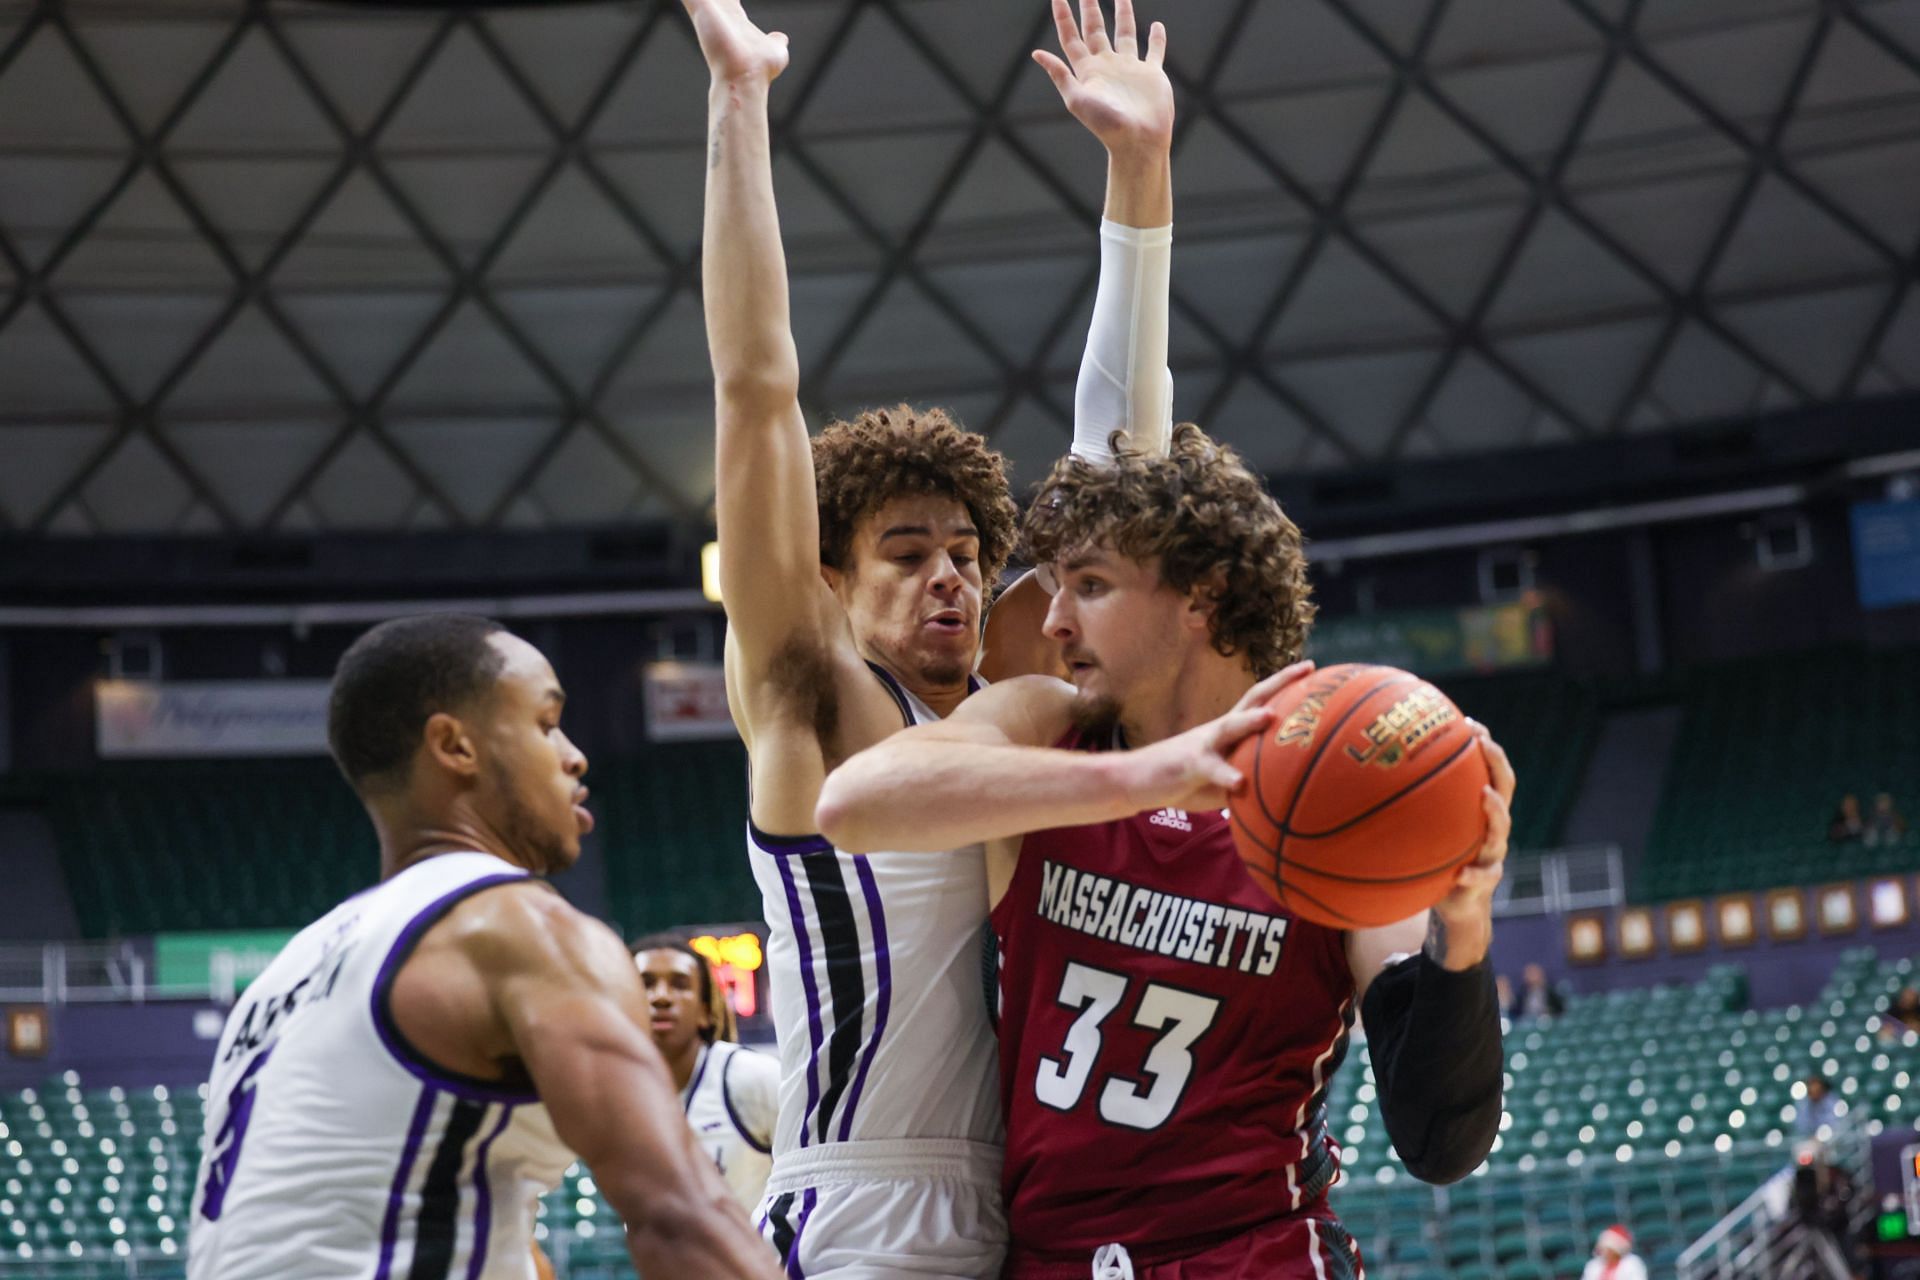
x=1175 y=818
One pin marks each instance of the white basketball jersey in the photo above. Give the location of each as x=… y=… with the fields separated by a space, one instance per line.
x=333 y=1150
x=732 y=1103
x=876 y=963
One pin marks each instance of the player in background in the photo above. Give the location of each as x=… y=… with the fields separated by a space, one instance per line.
x=1167 y=1031
x=854 y=570
x=731 y=1095
x=393 y=1094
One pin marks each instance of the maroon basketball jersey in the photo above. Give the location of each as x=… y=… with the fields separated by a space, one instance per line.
x=1167 y=1035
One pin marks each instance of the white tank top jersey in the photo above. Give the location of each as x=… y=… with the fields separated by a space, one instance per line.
x=732 y=1102
x=334 y=1150
x=876 y=963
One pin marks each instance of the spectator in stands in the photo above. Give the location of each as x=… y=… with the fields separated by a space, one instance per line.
x=1538 y=999
x=1614 y=1258
x=1903 y=1017
x=1503 y=992
x=1886 y=825
x=1846 y=827
x=1819 y=1111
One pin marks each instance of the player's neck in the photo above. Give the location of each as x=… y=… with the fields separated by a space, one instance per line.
x=1203 y=690
x=684 y=1063
x=940 y=699
x=408 y=838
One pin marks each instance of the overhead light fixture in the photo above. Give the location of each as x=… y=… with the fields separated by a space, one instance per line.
x=710 y=571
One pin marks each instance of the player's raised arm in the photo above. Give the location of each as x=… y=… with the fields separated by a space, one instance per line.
x=566 y=992
x=1427 y=998
x=765 y=505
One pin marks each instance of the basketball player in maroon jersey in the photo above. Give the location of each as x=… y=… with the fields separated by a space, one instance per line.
x=1167 y=1032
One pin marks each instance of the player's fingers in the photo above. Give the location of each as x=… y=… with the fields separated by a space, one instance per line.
x=1262 y=693
x=1093 y=26
x=1499 y=766
x=1056 y=70
x=1067 y=31
x=1157 y=45
x=1499 y=826
x=1126 y=37
x=1230 y=728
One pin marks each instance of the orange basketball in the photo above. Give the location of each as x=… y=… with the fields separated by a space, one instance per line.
x=1362 y=798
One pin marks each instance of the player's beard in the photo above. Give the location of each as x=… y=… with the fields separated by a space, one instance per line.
x=1094 y=714
x=943 y=673
x=544 y=850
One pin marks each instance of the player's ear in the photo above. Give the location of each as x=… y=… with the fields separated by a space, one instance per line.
x=1204 y=597
x=451 y=746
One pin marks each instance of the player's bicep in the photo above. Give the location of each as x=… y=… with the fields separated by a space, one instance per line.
x=1031 y=711
x=766 y=510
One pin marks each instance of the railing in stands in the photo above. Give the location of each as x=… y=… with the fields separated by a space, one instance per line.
x=1768 y=1234
x=1577 y=879
x=78 y=973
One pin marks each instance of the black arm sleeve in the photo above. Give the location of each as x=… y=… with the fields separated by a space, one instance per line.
x=1434 y=1037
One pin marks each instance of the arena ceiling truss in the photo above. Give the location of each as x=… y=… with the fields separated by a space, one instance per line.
x=296 y=267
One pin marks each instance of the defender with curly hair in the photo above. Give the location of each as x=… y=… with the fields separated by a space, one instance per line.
x=1167 y=1030
x=855 y=569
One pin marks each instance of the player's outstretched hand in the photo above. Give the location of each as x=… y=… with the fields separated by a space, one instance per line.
x=1122 y=96
x=1192 y=770
x=735 y=49
x=1466 y=914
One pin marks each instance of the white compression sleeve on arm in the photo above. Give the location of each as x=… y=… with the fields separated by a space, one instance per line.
x=1125 y=384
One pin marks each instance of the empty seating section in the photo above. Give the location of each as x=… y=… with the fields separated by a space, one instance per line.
x=157 y=848
x=675 y=836
x=235 y=845
x=1548 y=724
x=1662 y=1109
x=1766 y=750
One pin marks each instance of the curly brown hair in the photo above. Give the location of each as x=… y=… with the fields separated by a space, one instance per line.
x=883 y=454
x=1200 y=512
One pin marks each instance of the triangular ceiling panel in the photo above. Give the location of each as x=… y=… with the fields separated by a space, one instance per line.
x=250 y=368
x=466 y=199
x=654 y=182
x=1785 y=239
x=255 y=103
x=1366 y=397
x=1014 y=301
x=472 y=460
x=136 y=490
x=672 y=354
x=573 y=233
x=1268 y=434
x=1313 y=136
x=1563 y=273
x=1900 y=347
x=912 y=165
x=1449 y=255
x=42 y=198
x=662 y=98
x=361 y=337
x=1743 y=71
x=464 y=99
x=46 y=100
x=1590 y=370
x=1634 y=108
x=141 y=336
x=1703 y=378
x=1492 y=30
x=1668 y=225
x=1221 y=186
x=1879 y=186
x=300 y=517
x=1479 y=406
x=996 y=188
x=1422 y=143
x=1233 y=281
x=1817 y=338
x=586 y=480
x=360 y=237
x=567 y=56
x=363 y=487
x=1852 y=70
x=255 y=202
x=906 y=342
x=1398 y=22
x=72 y=520
x=980 y=44
x=1529 y=106
x=41 y=371
x=150 y=63
x=672 y=441
x=469 y=363
x=1296 y=46
x=250 y=465
x=579 y=329
x=145 y=238
x=1345 y=299
x=359 y=65
x=42 y=460
x=1032 y=440
x=911 y=94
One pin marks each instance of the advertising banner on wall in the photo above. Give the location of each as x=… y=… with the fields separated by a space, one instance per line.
x=1886 y=552
x=159 y=719
x=221 y=964
x=1439 y=642
x=687 y=701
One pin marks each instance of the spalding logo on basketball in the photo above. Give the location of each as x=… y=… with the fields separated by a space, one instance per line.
x=1362 y=799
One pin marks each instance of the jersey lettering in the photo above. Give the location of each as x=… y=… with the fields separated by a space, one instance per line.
x=1181 y=1017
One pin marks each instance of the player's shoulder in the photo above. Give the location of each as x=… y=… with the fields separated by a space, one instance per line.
x=1031 y=710
x=517 y=926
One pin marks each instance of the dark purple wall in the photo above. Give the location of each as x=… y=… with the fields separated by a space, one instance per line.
x=1778 y=973
x=131 y=1045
